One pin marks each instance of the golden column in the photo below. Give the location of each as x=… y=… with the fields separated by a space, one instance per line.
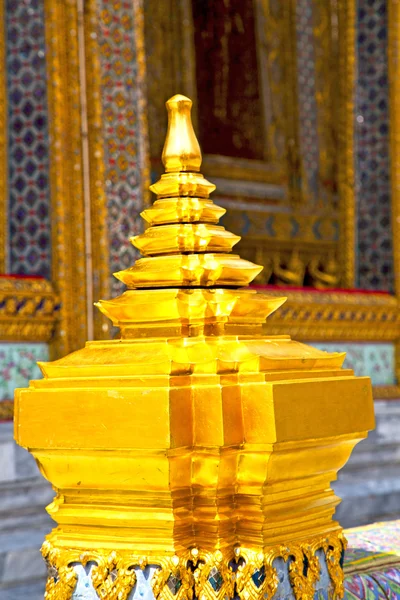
x=194 y=455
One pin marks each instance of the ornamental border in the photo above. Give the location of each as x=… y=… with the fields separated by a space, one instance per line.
x=113 y=575
x=29 y=309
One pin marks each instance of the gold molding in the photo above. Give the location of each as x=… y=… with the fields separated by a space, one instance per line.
x=98 y=197
x=288 y=54
x=243 y=169
x=3 y=145
x=394 y=95
x=393 y=49
x=6 y=410
x=346 y=170
x=143 y=142
x=336 y=316
x=340 y=316
x=66 y=183
x=326 y=63
x=386 y=392
x=27 y=309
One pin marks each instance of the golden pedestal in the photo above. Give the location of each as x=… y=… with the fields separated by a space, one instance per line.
x=196 y=442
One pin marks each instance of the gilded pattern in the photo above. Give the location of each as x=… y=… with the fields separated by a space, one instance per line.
x=6 y=410
x=255 y=578
x=173 y=580
x=306 y=93
x=112 y=579
x=336 y=316
x=75 y=185
x=346 y=173
x=250 y=574
x=62 y=578
x=291 y=102
x=144 y=148
x=326 y=54
x=394 y=91
x=3 y=148
x=28 y=309
x=98 y=198
x=334 y=553
x=213 y=576
x=66 y=173
x=273 y=26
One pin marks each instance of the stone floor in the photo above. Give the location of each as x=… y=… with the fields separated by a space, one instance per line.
x=34 y=591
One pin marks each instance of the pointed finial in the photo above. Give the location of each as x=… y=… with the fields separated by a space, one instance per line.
x=189 y=249
x=181 y=149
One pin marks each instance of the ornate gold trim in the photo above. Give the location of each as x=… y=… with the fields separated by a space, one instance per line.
x=98 y=197
x=114 y=577
x=386 y=392
x=3 y=146
x=144 y=148
x=27 y=309
x=242 y=169
x=326 y=54
x=6 y=410
x=335 y=316
x=393 y=49
x=288 y=53
x=346 y=172
x=106 y=584
x=62 y=578
x=66 y=183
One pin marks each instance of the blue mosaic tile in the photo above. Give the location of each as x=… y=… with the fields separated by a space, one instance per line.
x=374 y=259
x=29 y=195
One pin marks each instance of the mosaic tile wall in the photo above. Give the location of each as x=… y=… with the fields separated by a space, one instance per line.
x=29 y=201
x=375 y=261
x=121 y=131
x=18 y=366
x=306 y=89
x=374 y=360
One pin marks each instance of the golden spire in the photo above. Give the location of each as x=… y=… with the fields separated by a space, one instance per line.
x=188 y=284
x=181 y=149
x=184 y=247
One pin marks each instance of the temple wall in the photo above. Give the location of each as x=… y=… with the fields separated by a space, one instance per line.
x=117 y=134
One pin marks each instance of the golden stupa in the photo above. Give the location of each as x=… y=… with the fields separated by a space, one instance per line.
x=196 y=442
